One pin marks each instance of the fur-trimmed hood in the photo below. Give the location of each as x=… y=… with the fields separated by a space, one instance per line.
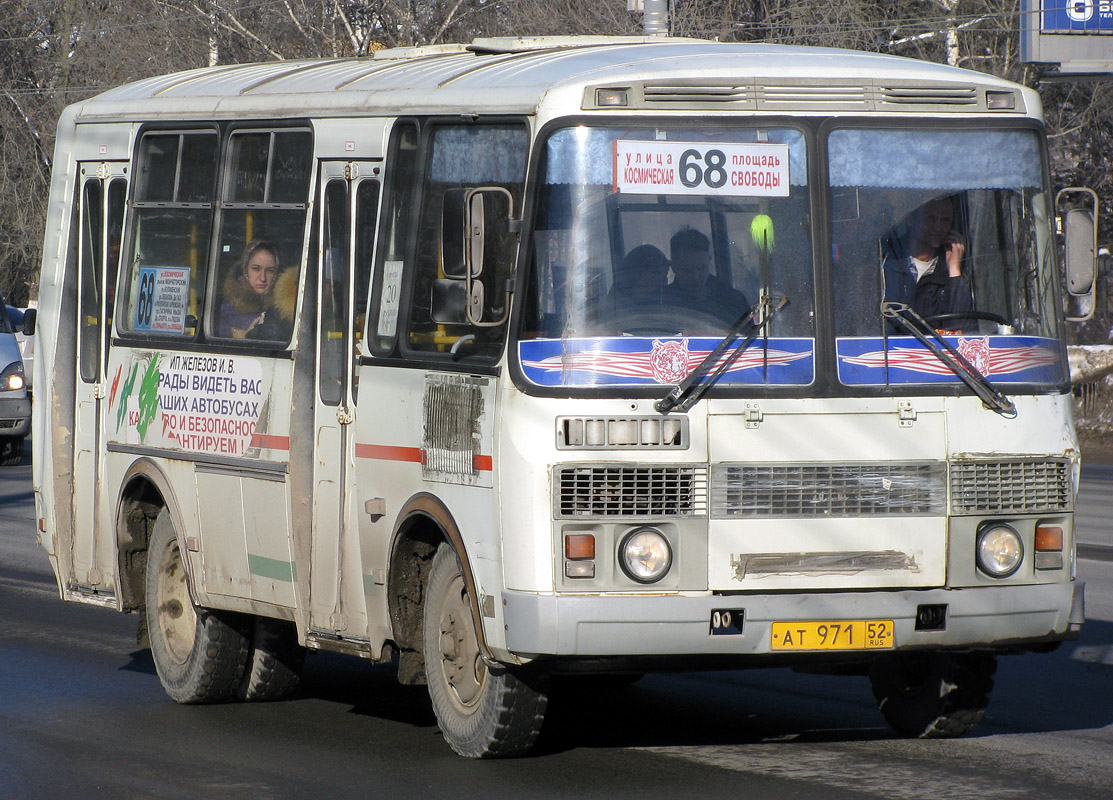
x=283 y=295
x=239 y=296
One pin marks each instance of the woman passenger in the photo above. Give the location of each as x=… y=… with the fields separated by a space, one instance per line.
x=245 y=290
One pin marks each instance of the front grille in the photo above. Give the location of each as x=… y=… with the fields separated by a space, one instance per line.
x=828 y=490
x=602 y=491
x=1017 y=486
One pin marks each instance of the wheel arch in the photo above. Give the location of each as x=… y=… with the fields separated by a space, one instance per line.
x=423 y=525
x=144 y=492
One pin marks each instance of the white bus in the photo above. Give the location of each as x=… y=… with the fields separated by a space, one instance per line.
x=523 y=358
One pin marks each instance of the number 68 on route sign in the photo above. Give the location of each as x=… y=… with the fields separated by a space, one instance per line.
x=701 y=168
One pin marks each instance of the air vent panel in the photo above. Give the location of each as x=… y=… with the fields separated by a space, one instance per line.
x=828 y=490
x=1020 y=486
x=597 y=491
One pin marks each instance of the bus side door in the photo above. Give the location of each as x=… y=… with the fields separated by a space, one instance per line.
x=103 y=190
x=348 y=210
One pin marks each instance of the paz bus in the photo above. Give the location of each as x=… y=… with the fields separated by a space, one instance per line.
x=523 y=358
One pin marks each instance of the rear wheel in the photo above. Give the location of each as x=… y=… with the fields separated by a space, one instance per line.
x=933 y=695
x=199 y=653
x=11 y=450
x=274 y=661
x=484 y=711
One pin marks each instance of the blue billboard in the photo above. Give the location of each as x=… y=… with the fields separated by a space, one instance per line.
x=1077 y=16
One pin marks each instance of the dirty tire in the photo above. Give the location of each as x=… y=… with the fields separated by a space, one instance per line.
x=933 y=695
x=274 y=661
x=483 y=711
x=199 y=654
x=11 y=450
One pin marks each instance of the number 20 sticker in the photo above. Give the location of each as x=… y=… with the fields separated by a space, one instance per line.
x=741 y=170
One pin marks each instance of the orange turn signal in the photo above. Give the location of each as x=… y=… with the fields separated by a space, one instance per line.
x=1049 y=537
x=579 y=546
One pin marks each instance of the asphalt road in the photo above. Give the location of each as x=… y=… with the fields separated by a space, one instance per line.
x=82 y=714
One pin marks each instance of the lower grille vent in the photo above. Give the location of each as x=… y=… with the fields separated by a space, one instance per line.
x=602 y=491
x=828 y=490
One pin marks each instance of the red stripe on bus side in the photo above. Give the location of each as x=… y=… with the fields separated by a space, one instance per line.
x=265 y=440
x=414 y=455
x=384 y=452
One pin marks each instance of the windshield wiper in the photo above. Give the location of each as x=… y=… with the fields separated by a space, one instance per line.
x=909 y=320
x=688 y=392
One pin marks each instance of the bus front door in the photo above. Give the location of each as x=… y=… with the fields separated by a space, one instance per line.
x=101 y=216
x=337 y=608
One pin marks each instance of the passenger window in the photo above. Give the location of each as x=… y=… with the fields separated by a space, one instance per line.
x=174 y=202
x=262 y=226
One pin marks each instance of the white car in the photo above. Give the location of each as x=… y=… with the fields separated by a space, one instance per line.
x=15 y=401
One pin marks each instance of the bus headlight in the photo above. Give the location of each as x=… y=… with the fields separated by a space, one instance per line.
x=999 y=550
x=645 y=555
x=12 y=377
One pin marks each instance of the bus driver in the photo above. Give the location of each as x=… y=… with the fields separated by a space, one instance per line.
x=923 y=267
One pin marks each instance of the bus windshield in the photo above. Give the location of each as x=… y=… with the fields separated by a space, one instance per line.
x=652 y=242
x=954 y=225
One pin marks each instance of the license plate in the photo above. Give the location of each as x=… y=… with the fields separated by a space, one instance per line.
x=857 y=634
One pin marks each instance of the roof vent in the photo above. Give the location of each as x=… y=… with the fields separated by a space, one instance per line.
x=683 y=93
x=930 y=96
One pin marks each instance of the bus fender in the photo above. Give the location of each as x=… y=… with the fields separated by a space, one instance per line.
x=428 y=509
x=132 y=535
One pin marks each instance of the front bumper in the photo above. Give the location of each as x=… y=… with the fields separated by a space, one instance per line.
x=680 y=625
x=15 y=416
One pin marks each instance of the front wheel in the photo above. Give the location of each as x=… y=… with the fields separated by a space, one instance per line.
x=199 y=653
x=483 y=711
x=933 y=695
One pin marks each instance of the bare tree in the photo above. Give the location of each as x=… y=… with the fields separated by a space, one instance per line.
x=53 y=52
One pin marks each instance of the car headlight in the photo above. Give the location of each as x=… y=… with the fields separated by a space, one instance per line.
x=12 y=376
x=999 y=550
x=645 y=555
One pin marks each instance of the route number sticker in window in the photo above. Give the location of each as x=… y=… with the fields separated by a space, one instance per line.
x=162 y=299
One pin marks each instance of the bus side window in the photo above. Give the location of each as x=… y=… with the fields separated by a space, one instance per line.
x=264 y=205
x=461 y=157
x=169 y=242
x=366 y=215
x=397 y=221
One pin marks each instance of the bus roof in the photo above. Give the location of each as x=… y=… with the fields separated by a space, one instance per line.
x=497 y=75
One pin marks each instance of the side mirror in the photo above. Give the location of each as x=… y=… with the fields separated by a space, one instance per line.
x=1080 y=245
x=29 y=317
x=490 y=246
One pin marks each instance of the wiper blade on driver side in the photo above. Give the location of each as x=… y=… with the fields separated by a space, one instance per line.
x=688 y=392
x=909 y=320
